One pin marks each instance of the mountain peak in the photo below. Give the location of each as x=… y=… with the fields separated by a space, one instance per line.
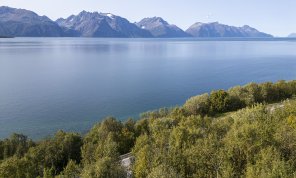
x=86 y=13
x=21 y=22
x=215 y=29
x=197 y=24
x=10 y=11
x=3 y=8
x=94 y=24
x=108 y=15
x=6 y=9
x=215 y=23
x=292 y=35
x=246 y=26
x=160 y=20
x=158 y=27
x=154 y=20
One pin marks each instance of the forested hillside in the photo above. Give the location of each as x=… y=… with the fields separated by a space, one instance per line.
x=247 y=131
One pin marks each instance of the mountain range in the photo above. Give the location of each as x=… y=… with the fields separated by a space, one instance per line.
x=160 y=28
x=94 y=24
x=216 y=29
x=25 y=23
x=292 y=35
x=20 y=22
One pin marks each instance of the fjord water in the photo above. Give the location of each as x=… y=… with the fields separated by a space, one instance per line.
x=47 y=84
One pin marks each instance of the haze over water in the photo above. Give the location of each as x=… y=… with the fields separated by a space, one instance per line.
x=47 y=84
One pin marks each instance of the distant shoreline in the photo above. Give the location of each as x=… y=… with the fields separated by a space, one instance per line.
x=176 y=38
x=6 y=37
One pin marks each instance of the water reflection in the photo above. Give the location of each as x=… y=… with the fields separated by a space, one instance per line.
x=70 y=83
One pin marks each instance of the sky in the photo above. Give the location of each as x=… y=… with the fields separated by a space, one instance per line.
x=277 y=17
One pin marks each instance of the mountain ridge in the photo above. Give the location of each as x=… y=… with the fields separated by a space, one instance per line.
x=22 y=22
x=160 y=28
x=292 y=35
x=94 y=24
x=25 y=23
x=216 y=29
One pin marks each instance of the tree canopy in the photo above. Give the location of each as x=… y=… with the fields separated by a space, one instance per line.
x=246 y=131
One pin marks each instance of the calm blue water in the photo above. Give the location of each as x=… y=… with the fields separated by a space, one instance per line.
x=48 y=84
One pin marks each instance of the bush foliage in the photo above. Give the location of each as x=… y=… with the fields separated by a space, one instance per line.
x=200 y=139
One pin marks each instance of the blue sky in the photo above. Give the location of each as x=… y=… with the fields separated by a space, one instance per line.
x=277 y=17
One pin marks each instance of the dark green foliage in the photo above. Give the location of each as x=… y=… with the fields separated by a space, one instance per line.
x=200 y=139
x=156 y=114
x=198 y=105
x=235 y=98
x=123 y=134
x=72 y=170
x=48 y=157
x=105 y=159
x=102 y=146
x=16 y=145
x=253 y=142
x=219 y=102
x=128 y=136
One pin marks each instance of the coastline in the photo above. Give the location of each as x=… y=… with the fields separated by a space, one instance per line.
x=6 y=37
